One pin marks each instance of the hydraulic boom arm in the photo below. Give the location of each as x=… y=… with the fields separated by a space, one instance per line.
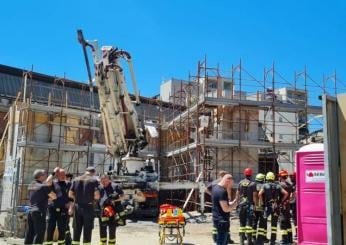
x=124 y=131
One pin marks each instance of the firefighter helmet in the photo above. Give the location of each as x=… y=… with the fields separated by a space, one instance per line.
x=283 y=173
x=248 y=172
x=108 y=211
x=270 y=176
x=260 y=177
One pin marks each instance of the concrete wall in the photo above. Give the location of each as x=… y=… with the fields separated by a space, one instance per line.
x=285 y=126
x=235 y=161
x=170 y=87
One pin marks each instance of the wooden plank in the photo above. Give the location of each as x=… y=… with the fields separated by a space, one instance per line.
x=341 y=99
x=332 y=168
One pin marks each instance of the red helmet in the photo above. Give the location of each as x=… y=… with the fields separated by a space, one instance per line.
x=248 y=172
x=283 y=173
x=108 y=211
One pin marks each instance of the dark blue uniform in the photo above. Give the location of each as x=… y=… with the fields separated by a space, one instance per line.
x=83 y=188
x=108 y=195
x=246 y=189
x=220 y=218
x=38 y=196
x=285 y=215
x=293 y=205
x=57 y=212
x=272 y=192
x=260 y=222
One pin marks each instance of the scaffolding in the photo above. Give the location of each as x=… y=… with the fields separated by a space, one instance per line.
x=230 y=123
x=213 y=122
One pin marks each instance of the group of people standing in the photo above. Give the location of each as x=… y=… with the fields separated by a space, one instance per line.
x=57 y=198
x=256 y=200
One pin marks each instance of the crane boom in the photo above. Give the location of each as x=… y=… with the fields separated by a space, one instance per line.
x=124 y=131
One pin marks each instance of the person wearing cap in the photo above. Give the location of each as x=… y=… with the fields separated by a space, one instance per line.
x=269 y=196
x=260 y=222
x=208 y=190
x=221 y=208
x=111 y=195
x=285 y=213
x=68 y=238
x=293 y=202
x=84 y=191
x=39 y=193
x=58 y=209
x=244 y=195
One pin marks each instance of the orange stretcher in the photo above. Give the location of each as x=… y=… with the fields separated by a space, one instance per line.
x=172 y=224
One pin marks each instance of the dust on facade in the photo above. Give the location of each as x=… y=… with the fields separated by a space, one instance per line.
x=195 y=128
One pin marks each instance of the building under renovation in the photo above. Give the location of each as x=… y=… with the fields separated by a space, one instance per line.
x=198 y=126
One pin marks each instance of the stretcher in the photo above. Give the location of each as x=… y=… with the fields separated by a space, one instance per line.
x=172 y=224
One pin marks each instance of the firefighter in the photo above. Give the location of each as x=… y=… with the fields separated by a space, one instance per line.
x=68 y=238
x=260 y=222
x=293 y=202
x=244 y=196
x=269 y=196
x=39 y=193
x=285 y=215
x=208 y=190
x=84 y=191
x=57 y=209
x=111 y=196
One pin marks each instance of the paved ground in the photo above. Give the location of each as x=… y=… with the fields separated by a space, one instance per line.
x=147 y=233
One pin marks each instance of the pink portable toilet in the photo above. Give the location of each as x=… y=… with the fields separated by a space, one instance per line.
x=311 y=195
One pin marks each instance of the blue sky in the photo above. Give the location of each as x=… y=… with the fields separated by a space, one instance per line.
x=167 y=38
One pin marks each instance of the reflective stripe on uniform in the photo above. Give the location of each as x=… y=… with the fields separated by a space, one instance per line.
x=48 y=243
x=284 y=232
x=111 y=240
x=242 y=229
x=86 y=243
x=61 y=242
x=102 y=239
x=75 y=242
x=104 y=219
x=289 y=230
x=248 y=229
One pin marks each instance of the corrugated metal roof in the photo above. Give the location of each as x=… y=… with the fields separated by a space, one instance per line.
x=40 y=85
x=10 y=85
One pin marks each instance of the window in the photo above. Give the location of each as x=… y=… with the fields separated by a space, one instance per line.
x=227 y=86
x=281 y=136
x=212 y=85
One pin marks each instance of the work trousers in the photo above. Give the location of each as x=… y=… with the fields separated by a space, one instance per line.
x=285 y=225
x=273 y=211
x=294 y=215
x=259 y=225
x=83 y=221
x=36 y=228
x=68 y=239
x=107 y=223
x=56 y=217
x=222 y=235
x=246 y=223
x=214 y=235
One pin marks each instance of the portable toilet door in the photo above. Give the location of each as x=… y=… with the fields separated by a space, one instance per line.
x=311 y=195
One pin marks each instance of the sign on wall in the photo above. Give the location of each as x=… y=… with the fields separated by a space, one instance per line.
x=315 y=176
